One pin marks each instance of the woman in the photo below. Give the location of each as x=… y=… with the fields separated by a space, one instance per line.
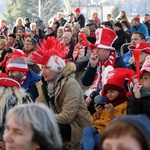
x=96 y=19
x=127 y=132
x=19 y=24
x=20 y=39
x=31 y=127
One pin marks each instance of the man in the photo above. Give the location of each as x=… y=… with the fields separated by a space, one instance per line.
x=71 y=18
x=29 y=47
x=137 y=26
x=103 y=55
x=12 y=42
x=79 y=18
x=136 y=37
x=92 y=27
x=60 y=18
x=147 y=22
x=62 y=92
x=17 y=69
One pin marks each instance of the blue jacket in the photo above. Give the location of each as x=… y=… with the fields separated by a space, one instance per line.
x=29 y=84
x=141 y=28
x=127 y=57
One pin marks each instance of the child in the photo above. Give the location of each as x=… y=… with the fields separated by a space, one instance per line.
x=139 y=101
x=115 y=106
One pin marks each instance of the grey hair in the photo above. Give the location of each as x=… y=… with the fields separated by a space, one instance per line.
x=42 y=121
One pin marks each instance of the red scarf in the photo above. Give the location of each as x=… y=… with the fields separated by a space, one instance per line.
x=110 y=61
x=23 y=79
x=79 y=50
x=118 y=100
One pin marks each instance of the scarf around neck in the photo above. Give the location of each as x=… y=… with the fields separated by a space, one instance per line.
x=145 y=92
x=118 y=100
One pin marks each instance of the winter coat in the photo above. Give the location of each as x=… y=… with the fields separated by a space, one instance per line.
x=69 y=105
x=40 y=24
x=141 y=28
x=80 y=20
x=138 y=105
x=123 y=37
x=106 y=117
x=29 y=84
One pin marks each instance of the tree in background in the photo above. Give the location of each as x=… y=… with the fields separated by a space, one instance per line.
x=29 y=8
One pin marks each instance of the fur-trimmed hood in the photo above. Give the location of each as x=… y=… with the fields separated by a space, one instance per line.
x=69 y=69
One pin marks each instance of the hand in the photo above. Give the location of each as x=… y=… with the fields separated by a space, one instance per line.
x=136 y=90
x=98 y=109
x=88 y=101
x=94 y=59
x=110 y=108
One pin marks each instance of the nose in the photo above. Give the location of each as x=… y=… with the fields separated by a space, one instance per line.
x=7 y=136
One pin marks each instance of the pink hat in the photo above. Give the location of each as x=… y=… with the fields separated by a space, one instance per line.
x=17 y=62
x=137 y=18
x=7 y=82
x=116 y=79
x=104 y=38
x=78 y=10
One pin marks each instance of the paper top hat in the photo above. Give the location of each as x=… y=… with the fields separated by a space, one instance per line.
x=104 y=38
x=7 y=82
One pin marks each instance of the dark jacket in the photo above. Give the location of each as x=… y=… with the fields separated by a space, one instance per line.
x=80 y=20
x=123 y=37
x=138 y=106
x=29 y=84
x=148 y=26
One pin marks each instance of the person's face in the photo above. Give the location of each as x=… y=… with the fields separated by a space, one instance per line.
x=49 y=75
x=37 y=32
x=146 y=18
x=66 y=40
x=116 y=28
x=1 y=45
x=18 y=137
x=18 y=37
x=125 y=142
x=145 y=80
x=11 y=40
x=74 y=31
x=135 y=22
x=102 y=53
x=112 y=94
x=49 y=31
x=19 y=22
x=135 y=39
x=91 y=28
x=20 y=32
x=16 y=75
x=29 y=46
x=77 y=13
x=142 y=57
x=2 y=23
x=59 y=33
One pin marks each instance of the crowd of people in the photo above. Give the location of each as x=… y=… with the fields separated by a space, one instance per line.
x=43 y=71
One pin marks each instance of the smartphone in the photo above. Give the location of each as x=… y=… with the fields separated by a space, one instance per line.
x=102 y=105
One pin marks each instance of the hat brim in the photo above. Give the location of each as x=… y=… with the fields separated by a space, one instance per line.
x=102 y=46
x=7 y=82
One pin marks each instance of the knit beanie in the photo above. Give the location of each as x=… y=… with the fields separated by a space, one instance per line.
x=17 y=62
x=118 y=24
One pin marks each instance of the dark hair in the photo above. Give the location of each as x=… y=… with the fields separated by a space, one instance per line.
x=32 y=40
x=21 y=29
x=2 y=37
x=121 y=128
x=146 y=14
x=124 y=21
x=12 y=35
x=141 y=35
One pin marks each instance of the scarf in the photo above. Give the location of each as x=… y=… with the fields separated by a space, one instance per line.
x=51 y=87
x=110 y=61
x=79 y=50
x=145 y=92
x=118 y=100
x=23 y=79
